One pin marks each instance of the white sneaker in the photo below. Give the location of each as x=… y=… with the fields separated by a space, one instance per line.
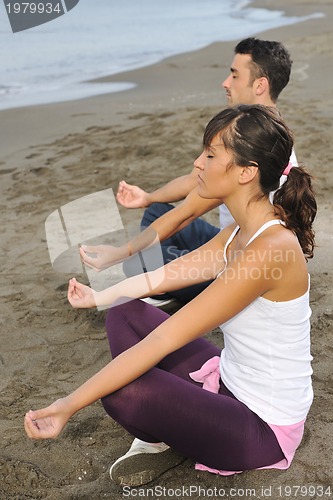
x=143 y=463
x=157 y=302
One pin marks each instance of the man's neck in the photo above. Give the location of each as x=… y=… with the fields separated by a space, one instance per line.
x=266 y=101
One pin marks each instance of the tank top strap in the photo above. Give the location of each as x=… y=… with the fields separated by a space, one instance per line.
x=263 y=227
x=257 y=233
x=229 y=240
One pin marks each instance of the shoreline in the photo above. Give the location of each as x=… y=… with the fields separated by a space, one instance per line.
x=107 y=107
x=82 y=87
x=56 y=153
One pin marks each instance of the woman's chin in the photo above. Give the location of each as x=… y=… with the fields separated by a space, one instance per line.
x=204 y=193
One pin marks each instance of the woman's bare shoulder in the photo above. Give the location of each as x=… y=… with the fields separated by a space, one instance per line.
x=225 y=233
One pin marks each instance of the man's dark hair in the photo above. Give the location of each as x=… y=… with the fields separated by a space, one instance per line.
x=270 y=59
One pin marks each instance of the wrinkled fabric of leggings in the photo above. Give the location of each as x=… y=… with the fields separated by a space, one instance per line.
x=165 y=404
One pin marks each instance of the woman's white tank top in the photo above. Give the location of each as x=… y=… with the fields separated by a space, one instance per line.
x=266 y=361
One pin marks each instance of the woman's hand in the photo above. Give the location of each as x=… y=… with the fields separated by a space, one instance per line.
x=130 y=196
x=80 y=296
x=104 y=256
x=47 y=423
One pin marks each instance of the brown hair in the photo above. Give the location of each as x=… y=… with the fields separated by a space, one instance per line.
x=296 y=205
x=257 y=135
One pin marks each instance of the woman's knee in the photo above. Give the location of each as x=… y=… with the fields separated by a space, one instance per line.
x=122 y=308
x=128 y=401
x=117 y=315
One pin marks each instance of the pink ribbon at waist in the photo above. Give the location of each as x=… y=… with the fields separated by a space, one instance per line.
x=208 y=375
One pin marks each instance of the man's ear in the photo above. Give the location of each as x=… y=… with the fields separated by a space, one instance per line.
x=247 y=174
x=261 y=85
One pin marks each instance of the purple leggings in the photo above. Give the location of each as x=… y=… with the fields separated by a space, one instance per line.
x=165 y=404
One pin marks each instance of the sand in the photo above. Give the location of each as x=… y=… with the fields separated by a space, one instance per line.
x=53 y=154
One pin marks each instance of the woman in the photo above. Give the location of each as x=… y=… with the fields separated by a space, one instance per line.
x=259 y=387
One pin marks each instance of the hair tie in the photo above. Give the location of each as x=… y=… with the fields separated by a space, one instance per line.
x=287 y=169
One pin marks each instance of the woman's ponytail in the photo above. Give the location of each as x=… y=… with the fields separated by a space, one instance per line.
x=296 y=206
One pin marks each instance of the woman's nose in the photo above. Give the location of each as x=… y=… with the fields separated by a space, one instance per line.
x=198 y=163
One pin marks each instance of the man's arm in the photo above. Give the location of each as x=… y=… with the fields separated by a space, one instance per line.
x=183 y=214
x=131 y=196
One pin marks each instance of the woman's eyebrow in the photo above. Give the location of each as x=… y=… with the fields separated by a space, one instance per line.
x=213 y=147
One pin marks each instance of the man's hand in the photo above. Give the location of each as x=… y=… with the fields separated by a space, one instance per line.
x=130 y=196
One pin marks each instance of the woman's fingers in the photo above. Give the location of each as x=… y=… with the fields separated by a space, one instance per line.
x=29 y=426
x=39 y=425
x=86 y=259
x=90 y=249
x=90 y=261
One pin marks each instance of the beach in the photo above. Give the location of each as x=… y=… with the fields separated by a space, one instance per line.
x=56 y=153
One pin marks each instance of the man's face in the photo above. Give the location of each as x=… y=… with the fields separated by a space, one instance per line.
x=239 y=86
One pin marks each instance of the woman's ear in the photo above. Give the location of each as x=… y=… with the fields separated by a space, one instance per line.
x=247 y=174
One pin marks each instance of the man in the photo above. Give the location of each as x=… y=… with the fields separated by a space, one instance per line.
x=259 y=72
